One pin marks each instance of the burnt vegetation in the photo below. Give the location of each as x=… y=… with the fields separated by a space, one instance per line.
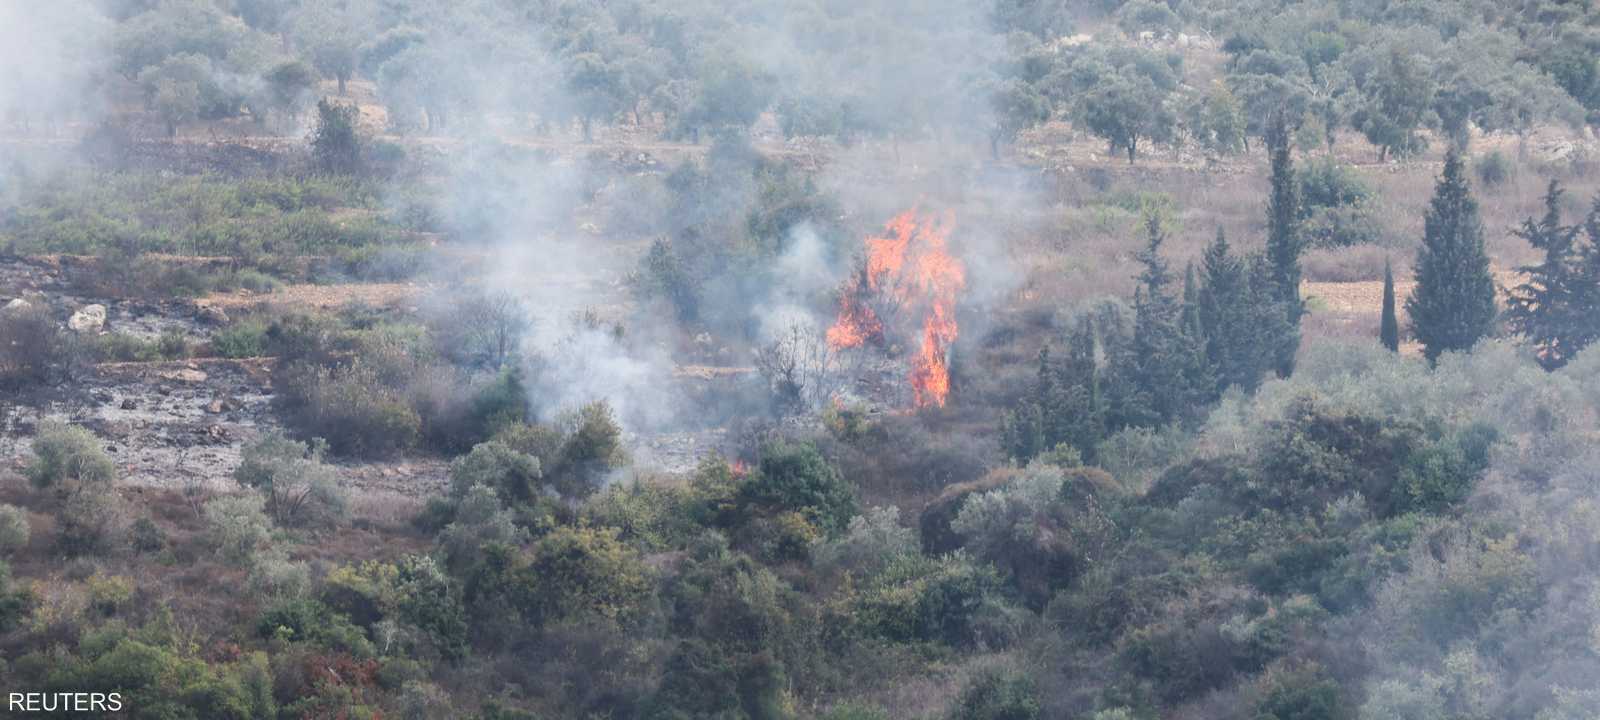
x=759 y=360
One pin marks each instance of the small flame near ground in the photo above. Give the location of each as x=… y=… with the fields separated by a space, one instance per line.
x=910 y=268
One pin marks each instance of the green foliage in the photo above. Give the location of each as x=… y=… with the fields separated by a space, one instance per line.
x=796 y=477
x=1285 y=243
x=241 y=340
x=1453 y=304
x=513 y=476
x=335 y=148
x=1554 y=306
x=305 y=620
x=14 y=529
x=581 y=572
x=998 y=694
x=1065 y=408
x=920 y=599
x=591 y=449
x=663 y=275
x=1394 y=103
x=237 y=527
x=871 y=542
x=349 y=407
x=1162 y=373
x=298 y=488
x=1388 y=322
x=1493 y=169
x=1238 y=313
x=1304 y=693
x=1125 y=109
x=479 y=519
x=70 y=459
x=250 y=217
x=15 y=602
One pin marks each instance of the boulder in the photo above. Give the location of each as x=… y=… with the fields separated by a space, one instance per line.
x=88 y=319
x=16 y=305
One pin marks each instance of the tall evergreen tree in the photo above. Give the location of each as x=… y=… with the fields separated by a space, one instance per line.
x=1064 y=407
x=1547 y=308
x=1165 y=375
x=1389 y=326
x=1238 y=311
x=1285 y=242
x=1452 y=305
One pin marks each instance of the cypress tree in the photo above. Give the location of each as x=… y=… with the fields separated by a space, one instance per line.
x=1232 y=341
x=1452 y=305
x=1285 y=243
x=1547 y=308
x=1167 y=376
x=1389 y=327
x=1587 y=294
x=1064 y=407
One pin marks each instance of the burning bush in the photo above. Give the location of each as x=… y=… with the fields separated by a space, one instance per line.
x=908 y=273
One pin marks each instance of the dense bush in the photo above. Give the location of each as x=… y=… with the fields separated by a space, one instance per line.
x=237 y=527
x=298 y=488
x=798 y=478
x=69 y=458
x=577 y=572
x=32 y=348
x=14 y=529
x=916 y=598
x=514 y=477
x=348 y=407
x=997 y=694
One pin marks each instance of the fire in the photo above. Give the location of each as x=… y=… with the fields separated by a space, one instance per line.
x=910 y=267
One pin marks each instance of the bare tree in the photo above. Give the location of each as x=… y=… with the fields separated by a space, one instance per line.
x=802 y=371
x=482 y=328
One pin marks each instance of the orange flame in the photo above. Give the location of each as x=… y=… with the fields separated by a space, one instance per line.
x=910 y=267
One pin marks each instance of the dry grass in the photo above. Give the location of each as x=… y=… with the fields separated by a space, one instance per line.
x=323 y=297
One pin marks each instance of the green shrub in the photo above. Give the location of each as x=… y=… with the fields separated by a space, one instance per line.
x=257 y=282
x=173 y=345
x=14 y=602
x=69 y=458
x=581 y=572
x=247 y=338
x=122 y=347
x=869 y=543
x=997 y=694
x=146 y=536
x=513 y=476
x=308 y=620
x=14 y=529
x=348 y=407
x=917 y=598
x=1301 y=694
x=479 y=519
x=796 y=477
x=1334 y=227
x=89 y=522
x=591 y=449
x=298 y=488
x=1324 y=183
x=855 y=711
x=1494 y=168
x=108 y=593
x=426 y=599
x=237 y=527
